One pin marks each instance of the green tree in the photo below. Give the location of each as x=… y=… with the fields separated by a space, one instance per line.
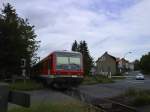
x=136 y=65
x=145 y=63
x=87 y=59
x=17 y=41
x=75 y=46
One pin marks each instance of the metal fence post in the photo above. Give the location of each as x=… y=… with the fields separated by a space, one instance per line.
x=4 y=91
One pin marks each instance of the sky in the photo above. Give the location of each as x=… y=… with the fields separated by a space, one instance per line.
x=115 y=26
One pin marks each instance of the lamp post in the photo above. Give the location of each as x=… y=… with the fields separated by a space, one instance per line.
x=126 y=54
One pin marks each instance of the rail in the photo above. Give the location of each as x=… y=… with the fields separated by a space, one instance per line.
x=104 y=105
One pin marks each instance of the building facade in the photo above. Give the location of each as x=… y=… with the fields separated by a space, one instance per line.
x=106 y=65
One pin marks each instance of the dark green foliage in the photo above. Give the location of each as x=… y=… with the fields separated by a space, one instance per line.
x=136 y=65
x=17 y=41
x=28 y=86
x=145 y=63
x=87 y=59
x=75 y=46
x=139 y=97
x=89 y=80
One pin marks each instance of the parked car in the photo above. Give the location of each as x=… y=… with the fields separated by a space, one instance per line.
x=140 y=76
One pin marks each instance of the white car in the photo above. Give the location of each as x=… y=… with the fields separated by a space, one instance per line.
x=140 y=76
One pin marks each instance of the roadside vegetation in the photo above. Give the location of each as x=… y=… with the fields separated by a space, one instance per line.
x=140 y=98
x=25 y=86
x=133 y=97
x=18 y=43
x=143 y=64
x=55 y=107
x=88 y=80
x=118 y=76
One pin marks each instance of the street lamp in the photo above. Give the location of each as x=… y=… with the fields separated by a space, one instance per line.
x=126 y=63
x=126 y=54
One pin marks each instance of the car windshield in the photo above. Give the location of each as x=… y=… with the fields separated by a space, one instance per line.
x=68 y=61
x=140 y=74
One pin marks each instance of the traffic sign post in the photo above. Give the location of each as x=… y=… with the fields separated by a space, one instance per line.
x=4 y=91
x=19 y=98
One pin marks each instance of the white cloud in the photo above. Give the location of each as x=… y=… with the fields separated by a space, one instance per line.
x=107 y=25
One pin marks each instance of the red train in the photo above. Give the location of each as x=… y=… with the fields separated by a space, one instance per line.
x=60 y=68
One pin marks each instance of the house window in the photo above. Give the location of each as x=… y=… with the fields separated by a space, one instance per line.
x=102 y=58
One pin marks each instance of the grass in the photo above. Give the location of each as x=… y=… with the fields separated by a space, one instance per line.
x=54 y=107
x=118 y=78
x=27 y=86
x=140 y=98
x=89 y=80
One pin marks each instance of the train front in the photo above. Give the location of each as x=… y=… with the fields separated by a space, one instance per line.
x=68 y=68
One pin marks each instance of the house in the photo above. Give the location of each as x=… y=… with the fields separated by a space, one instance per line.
x=106 y=64
x=131 y=66
x=124 y=65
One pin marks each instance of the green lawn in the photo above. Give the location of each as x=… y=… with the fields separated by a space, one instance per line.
x=55 y=107
x=27 y=86
x=88 y=80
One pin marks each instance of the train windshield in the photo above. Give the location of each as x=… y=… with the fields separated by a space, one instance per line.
x=68 y=61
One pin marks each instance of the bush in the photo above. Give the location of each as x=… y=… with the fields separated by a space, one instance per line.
x=131 y=92
x=96 y=79
x=141 y=100
x=27 y=86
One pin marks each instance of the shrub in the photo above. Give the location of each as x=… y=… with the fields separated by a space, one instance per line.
x=27 y=86
x=141 y=100
x=131 y=92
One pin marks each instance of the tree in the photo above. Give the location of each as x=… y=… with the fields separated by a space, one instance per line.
x=87 y=59
x=17 y=41
x=136 y=65
x=82 y=47
x=75 y=46
x=145 y=63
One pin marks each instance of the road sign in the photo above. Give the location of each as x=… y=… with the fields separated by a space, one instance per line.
x=19 y=98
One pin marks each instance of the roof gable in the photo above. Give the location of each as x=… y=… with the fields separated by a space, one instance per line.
x=106 y=54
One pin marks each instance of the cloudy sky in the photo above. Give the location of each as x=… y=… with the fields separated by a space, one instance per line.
x=116 y=26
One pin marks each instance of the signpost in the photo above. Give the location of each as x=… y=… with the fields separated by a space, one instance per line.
x=3 y=97
x=19 y=98
x=23 y=65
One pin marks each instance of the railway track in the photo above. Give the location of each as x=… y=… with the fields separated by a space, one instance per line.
x=99 y=105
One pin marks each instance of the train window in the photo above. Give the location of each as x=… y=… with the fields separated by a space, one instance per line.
x=74 y=60
x=62 y=60
x=68 y=62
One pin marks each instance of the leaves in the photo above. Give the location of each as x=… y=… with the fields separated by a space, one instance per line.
x=145 y=63
x=17 y=41
x=87 y=59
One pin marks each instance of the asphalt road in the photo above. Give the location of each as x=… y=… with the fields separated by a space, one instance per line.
x=119 y=87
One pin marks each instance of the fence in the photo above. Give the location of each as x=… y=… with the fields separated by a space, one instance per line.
x=14 y=97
